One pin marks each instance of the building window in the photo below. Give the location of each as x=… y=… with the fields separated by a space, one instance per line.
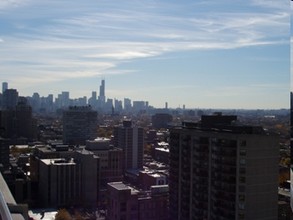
x=242 y=179
x=241 y=188
x=122 y=217
x=122 y=206
x=242 y=161
x=242 y=170
x=241 y=198
x=243 y=143
x=241 y=215
x=134 y=207
x=241 y=206
x=242 y=152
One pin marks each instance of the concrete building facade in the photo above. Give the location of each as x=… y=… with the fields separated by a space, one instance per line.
x=69 y=181
x=221 y=170
x=79 y=125
x=18 y=122
x=10 y=99
x=128 y=203
x=131 y=140
x=111 y=159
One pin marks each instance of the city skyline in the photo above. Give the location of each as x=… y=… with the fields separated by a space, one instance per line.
x=202 y=54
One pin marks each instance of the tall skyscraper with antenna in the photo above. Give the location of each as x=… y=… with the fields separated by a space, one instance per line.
x=102 y=97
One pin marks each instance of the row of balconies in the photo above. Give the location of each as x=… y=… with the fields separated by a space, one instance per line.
x=200 y=188
x=199 y=197
x=203 y=179
x=224 y=161
x=229 y=179
x=218 y=212
x=220 y=186
x=226 y=196
x=231 y=154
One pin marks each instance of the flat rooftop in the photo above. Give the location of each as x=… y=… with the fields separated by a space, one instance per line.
x=162 y=149
x=121 y=187
x=58 y=161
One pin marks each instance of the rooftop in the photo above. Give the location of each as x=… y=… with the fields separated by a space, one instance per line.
x=58 y=161
x=121 y=187
x=162 y=149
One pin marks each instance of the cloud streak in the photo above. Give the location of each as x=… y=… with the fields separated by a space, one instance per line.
x=91 y=39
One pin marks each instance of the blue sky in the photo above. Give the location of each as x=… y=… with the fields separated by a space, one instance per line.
x=204 y=53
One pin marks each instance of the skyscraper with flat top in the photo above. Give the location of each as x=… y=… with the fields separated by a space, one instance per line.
x=222 y=170
x=130 y=139
x=10 y=99
x=4 y=86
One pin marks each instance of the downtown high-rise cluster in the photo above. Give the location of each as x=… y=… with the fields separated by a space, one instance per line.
x=50 y=104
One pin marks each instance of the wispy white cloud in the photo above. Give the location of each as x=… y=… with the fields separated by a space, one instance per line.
x=272 y=4
x=12 y=3
x=50 y=41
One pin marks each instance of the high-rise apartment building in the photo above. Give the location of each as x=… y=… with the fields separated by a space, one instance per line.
x=131 y=140
x=18 y=122
x=79 y=124
x=10 y=99
x=222 y=170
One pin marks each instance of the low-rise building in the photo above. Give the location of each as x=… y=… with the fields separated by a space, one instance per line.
x=126 y=202
x=73 y=181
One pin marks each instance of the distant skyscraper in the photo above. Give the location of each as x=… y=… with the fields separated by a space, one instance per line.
x=118 y=106
x=102 y=97
x=4 y=86
x=36 y=101
x=127 y=105
x=65 y=99
x=161 y=120
x=130 y=139
x=102 y=88
x=93 y=100
x=221 y=170
x=79 y=124
x=138 y=106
